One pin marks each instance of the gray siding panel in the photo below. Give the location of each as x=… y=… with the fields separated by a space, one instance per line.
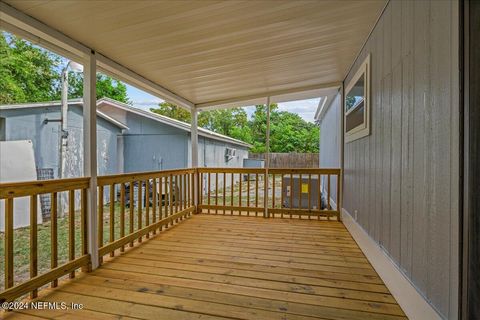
x=402 y=181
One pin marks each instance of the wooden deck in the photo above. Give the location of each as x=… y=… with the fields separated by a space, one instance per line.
x=230 y=267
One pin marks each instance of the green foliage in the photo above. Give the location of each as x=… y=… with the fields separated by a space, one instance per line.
x=31 y=74
x=288 y=131
x=27 y=73
x=172 y=111
x=106 y=87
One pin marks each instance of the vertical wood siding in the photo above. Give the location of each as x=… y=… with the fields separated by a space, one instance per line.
x=402 y=180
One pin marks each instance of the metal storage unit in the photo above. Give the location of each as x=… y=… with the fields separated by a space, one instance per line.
x=300 y=192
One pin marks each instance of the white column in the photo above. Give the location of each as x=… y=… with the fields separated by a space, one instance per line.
x=90 y=151
x=194 y=137
x=194 y=143
x=267 y=157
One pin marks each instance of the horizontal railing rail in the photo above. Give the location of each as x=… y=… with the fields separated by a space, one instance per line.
x=135 y=206
x=9 y=193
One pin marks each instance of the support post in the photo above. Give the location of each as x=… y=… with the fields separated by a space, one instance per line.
x=90 y=152
x=194 y=143
x=267 y=158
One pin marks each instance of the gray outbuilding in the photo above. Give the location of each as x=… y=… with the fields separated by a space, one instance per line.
x=128 y=139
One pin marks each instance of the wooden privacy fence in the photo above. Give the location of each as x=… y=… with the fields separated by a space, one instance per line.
x=9 y=192
x=132 y=207
x=293 y=193
x=289 y=160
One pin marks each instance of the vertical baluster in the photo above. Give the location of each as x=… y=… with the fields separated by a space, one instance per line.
x=192 y=189
x=71 y=228
x=282 y=199
x=185 y=191
x=54 y=235
x=339 y=195
x=232 y=185
x=8 y=243
x=180 y=187
x=166 y=197
x=265 y=194
x=309 y=196
x=256 y=193
x=319 y=204
x=176 y=190
x=200 y=189
x=84 y=225
x=240 y=195
x=300 y=194
x=216 y=192
x=154 y=203
x=170 y=201
x=132 y=207
x=33 y=242
x=139 y=208
x=224 y=190
x=291 y=194
x=328 y=195
x=112 y=216
x=147 y=206
x=178 y=193
x=208 y=192
x=248 y=193
x=160 y=199
x=100 y=220
x=122 y=214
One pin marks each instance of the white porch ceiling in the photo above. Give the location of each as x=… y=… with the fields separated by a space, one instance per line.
x=215 y=52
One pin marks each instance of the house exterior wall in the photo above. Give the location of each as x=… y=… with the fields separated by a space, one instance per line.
x=27 y=124
x=211 y=153
x=401 y=182
x=151 y=146
x=330 y=141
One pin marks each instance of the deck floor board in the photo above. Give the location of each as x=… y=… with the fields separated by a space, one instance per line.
x=228 y=267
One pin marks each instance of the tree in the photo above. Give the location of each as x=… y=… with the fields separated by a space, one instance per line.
x=29 y=73
x=106 y=87
x=231 y=122
x=172 y=111
x=288 y=131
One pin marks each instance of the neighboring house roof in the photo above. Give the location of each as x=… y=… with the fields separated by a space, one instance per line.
x=147 y=114
x=50 y=104
x=173 y=122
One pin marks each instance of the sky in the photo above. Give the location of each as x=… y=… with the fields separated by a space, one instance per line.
x=304 y=108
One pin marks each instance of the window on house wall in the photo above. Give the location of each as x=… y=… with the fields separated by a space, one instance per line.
x=357 y=104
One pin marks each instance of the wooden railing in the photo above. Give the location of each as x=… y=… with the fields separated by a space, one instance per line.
x=10 y=193
x=292 y=193
x=132 y=207
x=154 y=200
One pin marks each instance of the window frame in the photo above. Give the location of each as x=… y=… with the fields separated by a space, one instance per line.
x=363 y=129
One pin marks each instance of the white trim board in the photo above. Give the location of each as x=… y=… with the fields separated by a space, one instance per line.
x=410 y=300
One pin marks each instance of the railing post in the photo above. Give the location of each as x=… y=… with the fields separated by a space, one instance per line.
x=267 y=161
x=90 y=153
x=339 y=195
